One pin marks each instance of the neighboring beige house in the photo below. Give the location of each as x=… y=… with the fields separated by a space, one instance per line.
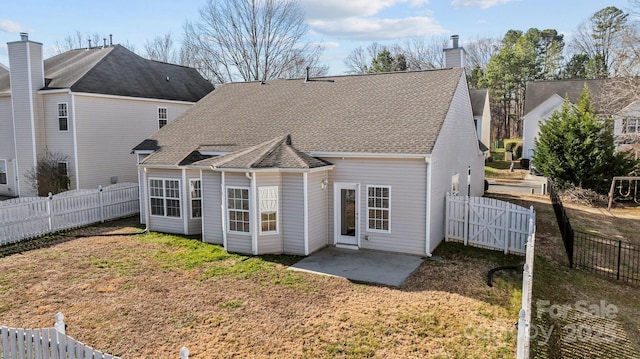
x=292 y=166
x=545 y=97
x=90 y=105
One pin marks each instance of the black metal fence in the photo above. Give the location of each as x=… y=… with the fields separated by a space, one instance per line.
x=563 y=221
x=613 y=258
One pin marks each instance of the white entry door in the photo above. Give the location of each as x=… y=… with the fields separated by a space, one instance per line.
x=346 y=216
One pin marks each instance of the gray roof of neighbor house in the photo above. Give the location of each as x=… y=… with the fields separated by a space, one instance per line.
x=478 y=99
x=400 y=112
x=115 y=70
x=539 y=91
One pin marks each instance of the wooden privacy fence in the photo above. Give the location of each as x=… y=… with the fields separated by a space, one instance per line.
x=23 y=218
x=47 y=343
x=488 y=223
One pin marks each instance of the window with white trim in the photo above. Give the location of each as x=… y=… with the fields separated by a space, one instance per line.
x=238 y=209
x=3 y=171
x=378 y=208
x=631 y=125
x=164 y=196
x=195 y=190
x=455 y=184
x=162 y=117
x=63 y=117
x=268 y=198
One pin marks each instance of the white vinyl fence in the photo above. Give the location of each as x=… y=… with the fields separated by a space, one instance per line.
x=488 y=223
x=524 y=320
x=47 y=343
x=23 y=218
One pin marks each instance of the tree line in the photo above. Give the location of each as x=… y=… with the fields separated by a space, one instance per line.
x=258 y=40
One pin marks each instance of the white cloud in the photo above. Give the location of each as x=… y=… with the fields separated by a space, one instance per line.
x=370 y=29
x=10 y=26
x=340 y=9
x=483 y=4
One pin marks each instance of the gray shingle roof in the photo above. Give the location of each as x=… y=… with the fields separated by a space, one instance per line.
x=399 y=112
x=276 y=153
x=117 y=71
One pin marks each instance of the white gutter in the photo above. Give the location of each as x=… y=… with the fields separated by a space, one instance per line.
x=87 y=94
x=367 y=155
x=305 y=221
x=427 y=237
x=147 y=200
x=270 y=170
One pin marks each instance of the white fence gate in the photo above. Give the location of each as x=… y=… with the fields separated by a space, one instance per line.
x=488 y=223
x=47 y=343
x=30 y=217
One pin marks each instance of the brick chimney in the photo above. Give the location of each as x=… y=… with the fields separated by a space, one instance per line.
x=455 y=55
x=27 y=77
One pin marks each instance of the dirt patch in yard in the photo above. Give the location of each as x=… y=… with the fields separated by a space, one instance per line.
x=146 y=296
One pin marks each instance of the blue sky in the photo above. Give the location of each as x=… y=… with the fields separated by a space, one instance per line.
x=341 y=25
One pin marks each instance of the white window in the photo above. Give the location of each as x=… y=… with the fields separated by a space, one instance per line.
x=631 y=125
x=195 y=189
x=378 y=208
x=268 y=209
x=3 y=171
x=164 y=197
x=63 y=117
x=455 y=184
x=238 y=209
x=162 y=116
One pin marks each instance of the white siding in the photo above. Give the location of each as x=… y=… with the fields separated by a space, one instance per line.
x=531 y=123
x=455 y=150
x=236 y=242
x=270 y=243
x=407 y=178
x=107 y=130
x=60 y=141
x=485 y=128
x=292 y=213
x=318 y=211
x=7 y=149
x=161 y=223
x=212 y=207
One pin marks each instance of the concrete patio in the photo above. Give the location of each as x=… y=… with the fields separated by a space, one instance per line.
x=361 y=265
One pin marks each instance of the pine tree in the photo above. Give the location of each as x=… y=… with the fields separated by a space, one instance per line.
x=575 y=148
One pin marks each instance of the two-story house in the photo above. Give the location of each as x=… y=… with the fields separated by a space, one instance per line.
x=90 y=105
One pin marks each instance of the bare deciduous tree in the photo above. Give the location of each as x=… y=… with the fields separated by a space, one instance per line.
x=248 y=40
x=161 y=49
x=480 y=51
x=425 y=53
x=359 y=59
x=78 y=40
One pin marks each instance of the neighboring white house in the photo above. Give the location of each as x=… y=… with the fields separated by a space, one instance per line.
x=89 y=105
x=482 y=116
x=292 y=166
x=544 y=97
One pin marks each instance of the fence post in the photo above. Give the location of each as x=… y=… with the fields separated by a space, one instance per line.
x=59 y=325
x=101 y=204
x=466 y=220
x=446 y=217
x=619 y=258
x=184 y=353
x=522 y=336
x=507 y=230
x=50 y=212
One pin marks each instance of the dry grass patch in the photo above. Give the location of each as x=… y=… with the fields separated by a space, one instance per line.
x=146 y=296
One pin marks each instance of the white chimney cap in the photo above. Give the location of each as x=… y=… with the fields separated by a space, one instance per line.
x=24 y=36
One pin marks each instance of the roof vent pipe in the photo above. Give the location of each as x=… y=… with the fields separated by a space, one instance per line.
x=89 y=43
x=24 y=36
x=110 y=40
x=454 y=41
x=306 y=79
x=104 y=42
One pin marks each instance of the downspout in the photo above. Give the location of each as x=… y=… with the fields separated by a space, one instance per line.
x=305 y=223
x=427 y=237
x=75 y=139
x=185 y=204
x=201 y=207
x=147 y=200
x=253 y=202
x=223 y=209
